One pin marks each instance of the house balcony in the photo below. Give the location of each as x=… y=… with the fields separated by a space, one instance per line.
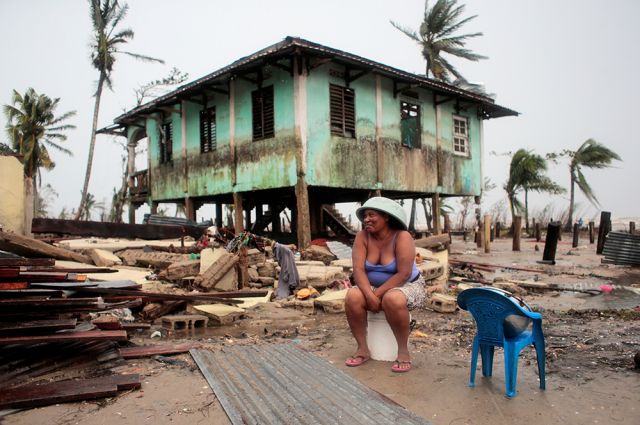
x=139 y=185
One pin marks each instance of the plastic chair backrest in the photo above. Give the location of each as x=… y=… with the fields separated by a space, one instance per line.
x=497 y=313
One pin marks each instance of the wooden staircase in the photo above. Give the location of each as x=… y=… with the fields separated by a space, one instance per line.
x=333 y=219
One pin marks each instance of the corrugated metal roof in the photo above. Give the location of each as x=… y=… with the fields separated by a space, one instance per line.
x=290 y=44
x=622 y=248
x=282 y=384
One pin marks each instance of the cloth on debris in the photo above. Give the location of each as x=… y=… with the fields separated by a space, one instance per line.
x=289 y=278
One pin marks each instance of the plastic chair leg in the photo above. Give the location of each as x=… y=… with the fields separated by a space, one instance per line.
x=486 y=351
x=474 y=362
x=510 y=368
x=540 y=357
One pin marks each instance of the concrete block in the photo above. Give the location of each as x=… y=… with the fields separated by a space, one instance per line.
x=184 y=322
x=442 y=303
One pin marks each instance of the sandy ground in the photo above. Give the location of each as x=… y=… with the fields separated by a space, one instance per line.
x=590 y=342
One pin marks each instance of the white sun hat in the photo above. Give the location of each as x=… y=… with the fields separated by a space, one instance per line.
x=385 y=205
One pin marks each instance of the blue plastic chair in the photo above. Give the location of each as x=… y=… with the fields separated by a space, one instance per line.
x=502 y=321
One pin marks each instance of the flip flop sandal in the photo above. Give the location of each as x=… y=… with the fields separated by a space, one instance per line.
x=355 y=361
x=401 y=367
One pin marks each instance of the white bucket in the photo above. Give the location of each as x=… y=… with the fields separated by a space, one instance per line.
x=380 y=339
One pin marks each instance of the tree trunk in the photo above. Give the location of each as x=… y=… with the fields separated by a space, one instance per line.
x=571 y=199
x=526 y=210
x=92 y=145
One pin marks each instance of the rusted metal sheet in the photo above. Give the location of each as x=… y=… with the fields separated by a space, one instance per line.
x=282 y=384
x=622 y=248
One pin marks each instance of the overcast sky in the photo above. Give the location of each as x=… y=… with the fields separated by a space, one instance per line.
x=570 y=67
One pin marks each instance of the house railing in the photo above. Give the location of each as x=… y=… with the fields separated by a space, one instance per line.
x=139 y=183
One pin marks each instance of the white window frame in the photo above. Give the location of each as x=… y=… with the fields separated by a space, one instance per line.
x=461 y=138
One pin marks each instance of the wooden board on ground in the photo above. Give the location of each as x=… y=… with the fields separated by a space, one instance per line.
x=156 y=350
x=28 y=396
x=30 y=247
x=33 y=326
x=66 y=336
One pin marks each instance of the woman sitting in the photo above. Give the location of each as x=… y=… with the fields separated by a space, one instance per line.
x=386 y=276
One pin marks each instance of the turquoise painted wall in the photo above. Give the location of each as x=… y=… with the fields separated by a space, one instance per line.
x=332 y=161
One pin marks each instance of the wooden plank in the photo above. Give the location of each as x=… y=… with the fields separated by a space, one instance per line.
x=12 y=262
x=160 y=296
x=21 y=293
x=114 y=230
x=13 y=285
x=37 y=326
x=155 y=350
x=54 y=302
x=434 y=241
x=22 y=245
x=66 y=336
x=28 y=396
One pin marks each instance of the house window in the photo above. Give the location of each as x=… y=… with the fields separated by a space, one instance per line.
x=342 y=111
x=460 y=136
x=166 y=143
x=262 y=111
x=410 y=124
x=208 y=130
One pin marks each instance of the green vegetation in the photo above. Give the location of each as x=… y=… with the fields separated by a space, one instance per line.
x=33 y=128
x=108 y=39
x=437 y=36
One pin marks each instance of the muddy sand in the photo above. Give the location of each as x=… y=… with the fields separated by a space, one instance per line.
x=590 y=344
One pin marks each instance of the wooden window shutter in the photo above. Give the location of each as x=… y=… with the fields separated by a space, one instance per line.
x=263 y=113
x=208 y=136
x=342 y=111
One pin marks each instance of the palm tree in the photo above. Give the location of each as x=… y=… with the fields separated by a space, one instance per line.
x=32 y=127
x=91 y=205
x=106 y=15
x=526 y=172
x=590 y=154
x=436 y=36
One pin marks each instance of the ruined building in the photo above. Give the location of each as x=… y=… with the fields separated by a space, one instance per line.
x=302 y=126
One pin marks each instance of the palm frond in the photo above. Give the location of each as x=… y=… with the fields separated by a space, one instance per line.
x=406 y=31
x=584 y=186
x=143 y=57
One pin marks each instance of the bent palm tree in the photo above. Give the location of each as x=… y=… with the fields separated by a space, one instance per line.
x=436 y=36
x=526 y=172
x=590 y=154
x=106 y=15
x=32 y=127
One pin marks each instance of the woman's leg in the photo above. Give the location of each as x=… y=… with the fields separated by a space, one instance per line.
x=356 y=309
x=394 y=304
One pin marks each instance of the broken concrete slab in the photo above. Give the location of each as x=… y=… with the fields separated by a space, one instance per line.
x=104 y=258
x=332 y=301
x=250 y=302
x=221 y=274
x=319 y=276
x=220 y=314
x=182 y=269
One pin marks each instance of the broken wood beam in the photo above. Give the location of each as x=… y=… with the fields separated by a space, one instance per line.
x=14 y=262
x=114 y=230
x=160 y=296
x=66 y=336
x=155 y=350
x=37 y=326
x=434 y=241
x=22 y=245
x=28 y=396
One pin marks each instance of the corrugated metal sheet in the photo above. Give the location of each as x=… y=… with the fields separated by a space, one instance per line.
x=622 y=248
x=282 y=384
